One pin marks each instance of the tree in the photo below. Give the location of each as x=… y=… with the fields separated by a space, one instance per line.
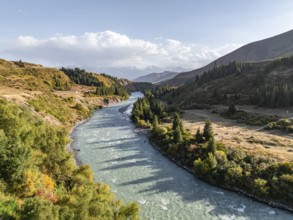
x=155 y=123
x=212 y=147
x=177 y=135
x=233 y=174
x=181 y=127
x=161 y=131
x=232 y=109
x=211 y=161
x=207 y=130
x=176 y=122
x=35 y=208
x=260 y=187
x=198 y=136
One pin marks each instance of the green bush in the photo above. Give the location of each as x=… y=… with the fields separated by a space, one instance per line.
x=161 y=131
x=283 y=124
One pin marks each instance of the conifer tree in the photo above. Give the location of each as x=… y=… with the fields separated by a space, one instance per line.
x=198 y=137
x=212 y=147
x=177 y=136
x=176 y=122
x=181 y=126
x=207 y=131
x=155 y=123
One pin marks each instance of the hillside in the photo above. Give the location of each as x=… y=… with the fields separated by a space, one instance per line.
x=270 y=48
x=136 y=86
x=267 y=84
x=156 y=77
x=38 y=176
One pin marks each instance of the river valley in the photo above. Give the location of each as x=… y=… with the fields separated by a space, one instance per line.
x=136 y=171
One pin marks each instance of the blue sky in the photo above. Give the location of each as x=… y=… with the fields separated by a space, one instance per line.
x=131 y=37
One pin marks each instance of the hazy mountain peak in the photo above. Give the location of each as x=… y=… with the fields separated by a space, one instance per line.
x=156 y=77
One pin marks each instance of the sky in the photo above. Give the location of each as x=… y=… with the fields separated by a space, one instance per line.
x=129 y=38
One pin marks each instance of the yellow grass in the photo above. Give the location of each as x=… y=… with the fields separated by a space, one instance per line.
x=251 y=139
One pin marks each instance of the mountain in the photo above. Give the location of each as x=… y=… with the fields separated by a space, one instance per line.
x=264 y=83
x=270 y=48
x=156 y=77
x=130 y=72
x=136 y=86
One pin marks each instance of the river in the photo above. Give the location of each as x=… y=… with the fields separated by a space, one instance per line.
x=136 y=171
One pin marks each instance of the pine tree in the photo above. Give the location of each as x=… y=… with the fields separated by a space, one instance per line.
x=207 y=131
x=176 y=122
x=155 y=123
x=177 y=136
x=198 y=137
x=212 y=147
x=181 y=127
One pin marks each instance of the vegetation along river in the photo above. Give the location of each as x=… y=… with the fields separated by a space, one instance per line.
x=136 y=171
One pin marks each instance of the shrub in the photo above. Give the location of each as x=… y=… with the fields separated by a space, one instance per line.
x=260 y=187
x=143 y=124
x=161 y=131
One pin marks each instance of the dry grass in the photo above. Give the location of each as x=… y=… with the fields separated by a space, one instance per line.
x=20 y=97
x=16 y=95
x=252 y=139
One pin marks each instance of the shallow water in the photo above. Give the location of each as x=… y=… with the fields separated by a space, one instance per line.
x=136 y=171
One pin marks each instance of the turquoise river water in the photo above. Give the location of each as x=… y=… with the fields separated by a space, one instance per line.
x=136 y=171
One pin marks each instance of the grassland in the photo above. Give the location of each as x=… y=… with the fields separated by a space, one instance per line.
x=252 y=139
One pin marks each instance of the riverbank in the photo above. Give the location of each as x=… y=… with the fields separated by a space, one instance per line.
x=69 y=147
x=146 y=133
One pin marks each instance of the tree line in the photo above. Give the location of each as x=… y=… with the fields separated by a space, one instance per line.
x=223 y=70
x=273 y=95
x=82 y=77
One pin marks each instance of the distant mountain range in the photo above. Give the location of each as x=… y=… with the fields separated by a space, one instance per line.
x=267 y=49
x=156 y=77
x=129 y=72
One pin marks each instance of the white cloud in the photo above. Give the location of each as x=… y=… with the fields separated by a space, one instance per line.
x=113 y=50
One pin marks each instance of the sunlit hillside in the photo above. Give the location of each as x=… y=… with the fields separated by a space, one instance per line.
x=38 y=175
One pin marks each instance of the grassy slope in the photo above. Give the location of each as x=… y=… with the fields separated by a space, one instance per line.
x=38 y=107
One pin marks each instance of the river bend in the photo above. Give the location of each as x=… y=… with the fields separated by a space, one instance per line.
x=136 y=171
